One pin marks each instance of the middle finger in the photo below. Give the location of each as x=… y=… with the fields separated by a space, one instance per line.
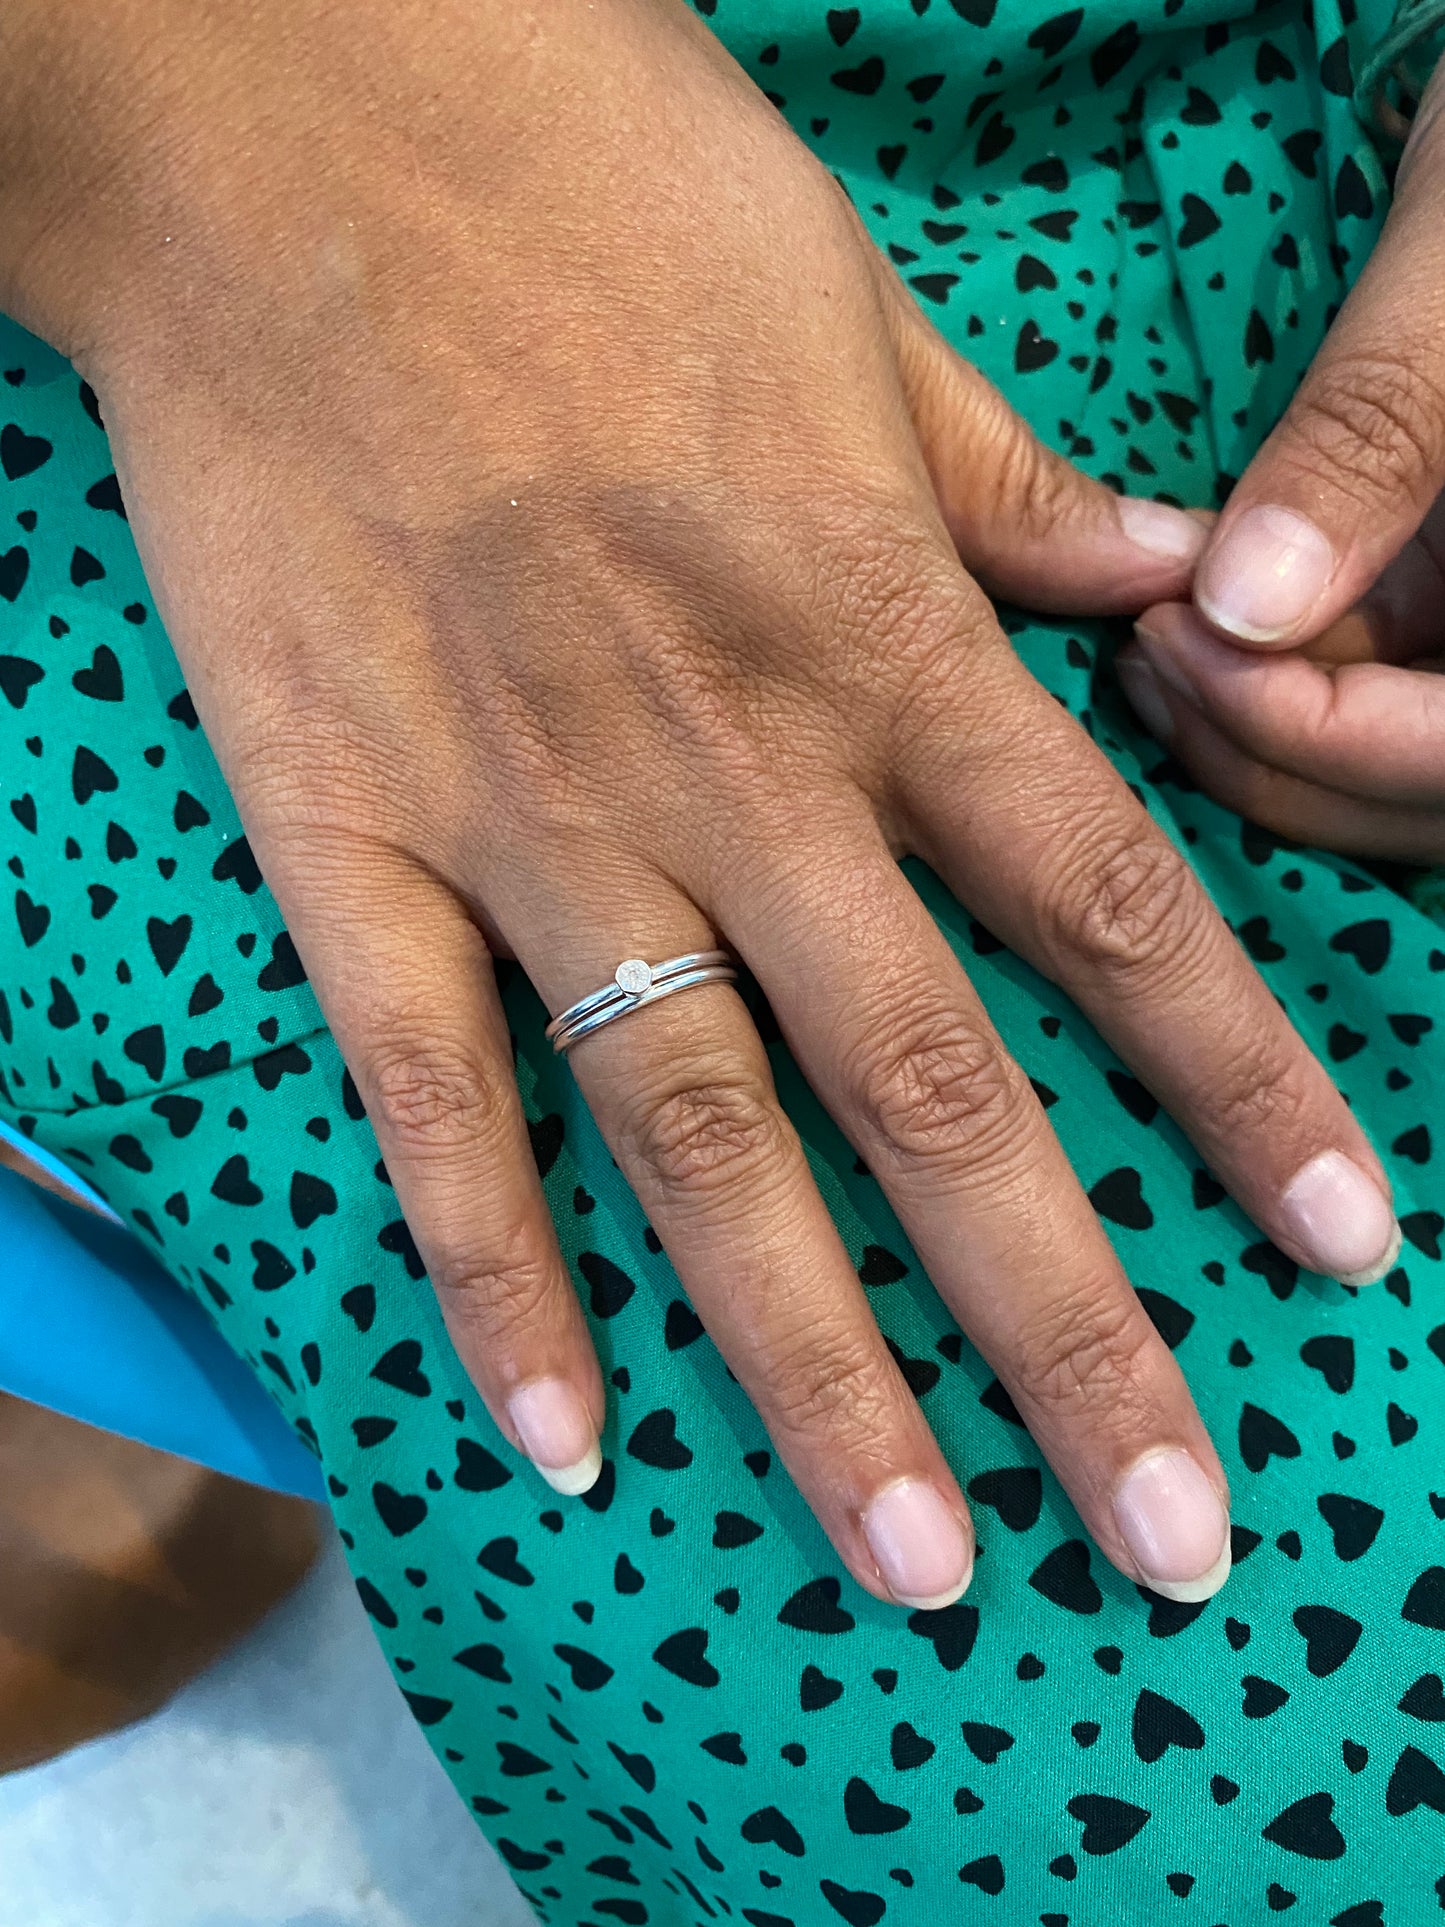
x=897 y=1044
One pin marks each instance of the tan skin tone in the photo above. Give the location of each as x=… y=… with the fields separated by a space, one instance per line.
x=578 y=547
x=1333 y=731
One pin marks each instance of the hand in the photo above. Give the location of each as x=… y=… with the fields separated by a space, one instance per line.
x=577 y=546
x=1327 y=720
x=1340 y=742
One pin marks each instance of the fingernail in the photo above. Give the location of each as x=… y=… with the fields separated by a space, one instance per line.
x=1265 y=576
x=919 y=1543
x=1160 y=530
x=557 y=1434
x=1341 y=1219
x=1171 y=1519
x=1146 y=698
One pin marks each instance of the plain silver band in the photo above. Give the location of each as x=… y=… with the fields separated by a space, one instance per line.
x=602 y=1007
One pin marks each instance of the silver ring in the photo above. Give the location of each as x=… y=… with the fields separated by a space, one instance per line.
x=635 y=983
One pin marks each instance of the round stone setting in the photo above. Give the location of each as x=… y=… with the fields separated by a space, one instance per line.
x=634 y=976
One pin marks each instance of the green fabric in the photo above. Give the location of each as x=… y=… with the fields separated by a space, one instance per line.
x=666 y=1702
x=1399 y=67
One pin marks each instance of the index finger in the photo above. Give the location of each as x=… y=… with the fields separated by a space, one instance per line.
x=1368 y=728
x=1347 y=477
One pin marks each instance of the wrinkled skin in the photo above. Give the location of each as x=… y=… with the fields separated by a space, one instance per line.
x=1330 y=726
x=579 y=551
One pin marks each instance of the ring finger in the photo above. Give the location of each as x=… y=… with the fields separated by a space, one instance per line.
x=682 y=1092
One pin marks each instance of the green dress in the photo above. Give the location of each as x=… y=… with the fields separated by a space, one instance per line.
x=666 y=1702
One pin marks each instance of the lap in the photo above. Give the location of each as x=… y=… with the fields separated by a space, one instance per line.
x=670 y=1682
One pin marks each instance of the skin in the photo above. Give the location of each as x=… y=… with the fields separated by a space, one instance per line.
x=580 y=549
x=1334 y=731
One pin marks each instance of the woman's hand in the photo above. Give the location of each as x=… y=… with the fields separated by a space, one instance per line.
x=1327 y=569
x=1340 y=742
x=557 y=508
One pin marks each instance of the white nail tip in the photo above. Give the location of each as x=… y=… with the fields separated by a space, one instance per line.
x=936 y=1602
x=1376 y=1272
x=1191 y=1592
x=1234 y=625
x=574 y=1479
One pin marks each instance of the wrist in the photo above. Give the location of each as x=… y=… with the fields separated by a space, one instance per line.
x=78 y=86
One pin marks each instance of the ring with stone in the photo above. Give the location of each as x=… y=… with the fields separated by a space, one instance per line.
x=635 y=983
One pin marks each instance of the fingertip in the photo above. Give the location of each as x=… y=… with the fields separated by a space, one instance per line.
x=556 y=1431
x=1382 y=1267
x=1174 y=1524
x=1340 y=1220
x=1167 y=656
x=1193 y=1592
x=1163 y=533
x=1163 y=618
x=922 y=1548
x=1191 y=659
x=573 y=1480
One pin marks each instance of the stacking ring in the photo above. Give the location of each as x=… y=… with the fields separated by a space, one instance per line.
x=635 y=983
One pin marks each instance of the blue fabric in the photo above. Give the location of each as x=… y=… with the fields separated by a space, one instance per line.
x=91 y=1327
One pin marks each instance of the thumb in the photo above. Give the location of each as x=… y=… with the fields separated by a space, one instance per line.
x=1346 y=479
x=1029 y=525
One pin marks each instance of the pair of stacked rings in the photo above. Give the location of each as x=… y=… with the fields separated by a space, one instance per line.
x=635 y=983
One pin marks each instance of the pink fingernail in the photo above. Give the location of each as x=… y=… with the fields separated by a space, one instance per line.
x=1146 y=698
x=1171 y=1519
x=1266 y=575
x=557 y=1433
x=919 y=1543
x=1160 y=530
x=1341 y=1220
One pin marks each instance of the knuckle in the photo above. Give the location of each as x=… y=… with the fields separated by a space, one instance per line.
x=535 y=758
x=434 y=1099
x=1083 y=1353
x=932 y=1084
x=1259 y=1098
x=886 y=585
x=1033 y=489
x=506 y=1289
x=832 y=1390
x=885 y=580
x=708 y=1136
x=1376 y=420
x=694 y=695
x=1126 y=907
